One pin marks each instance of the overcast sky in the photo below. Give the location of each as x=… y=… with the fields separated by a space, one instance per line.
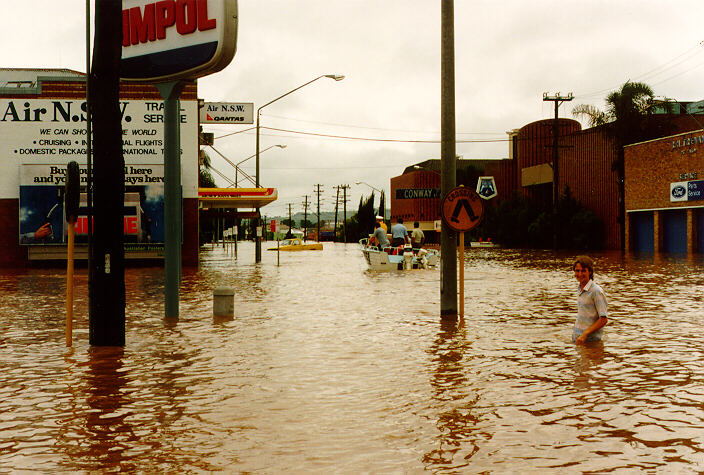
x=508 y=52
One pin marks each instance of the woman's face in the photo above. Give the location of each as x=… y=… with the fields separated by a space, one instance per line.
x=581 y=274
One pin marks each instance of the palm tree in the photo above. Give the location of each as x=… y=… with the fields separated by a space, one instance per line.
x=625 y=120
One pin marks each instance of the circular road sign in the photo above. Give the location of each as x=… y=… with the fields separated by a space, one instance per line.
x=462 y=209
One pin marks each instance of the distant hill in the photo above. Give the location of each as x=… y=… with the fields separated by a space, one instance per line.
x=324 y=215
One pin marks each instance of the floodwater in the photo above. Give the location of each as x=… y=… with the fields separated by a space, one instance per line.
x=327 y=367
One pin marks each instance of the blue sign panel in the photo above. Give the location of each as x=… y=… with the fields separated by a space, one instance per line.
x=695 y=190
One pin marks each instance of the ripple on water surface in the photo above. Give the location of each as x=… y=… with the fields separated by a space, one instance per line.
x=329 y=367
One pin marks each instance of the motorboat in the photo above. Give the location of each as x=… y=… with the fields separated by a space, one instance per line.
x=398 y=258
x=297 y=245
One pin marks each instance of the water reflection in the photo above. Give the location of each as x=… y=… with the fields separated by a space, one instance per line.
x=109 y=433
x=327 y=367
x=450 y=383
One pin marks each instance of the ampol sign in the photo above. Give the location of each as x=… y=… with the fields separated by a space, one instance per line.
x=177 y=39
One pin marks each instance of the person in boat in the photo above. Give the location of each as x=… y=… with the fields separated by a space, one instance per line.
x=380 y=220
x=592 y=312
x=417 y=236
x=399 y=234
x=379 y=238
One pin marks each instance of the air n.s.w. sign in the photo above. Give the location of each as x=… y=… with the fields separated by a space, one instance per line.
x=165 y=40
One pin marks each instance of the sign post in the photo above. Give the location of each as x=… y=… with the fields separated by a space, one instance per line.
x=462 y=210
x=275 y=232
x=72 y=198
x=170 y=92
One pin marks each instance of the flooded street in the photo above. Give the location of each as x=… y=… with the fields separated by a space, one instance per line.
x=327 y=367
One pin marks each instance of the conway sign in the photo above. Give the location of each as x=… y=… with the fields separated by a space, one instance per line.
x=177 y=39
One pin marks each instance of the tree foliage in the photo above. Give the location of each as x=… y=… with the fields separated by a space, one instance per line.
x=627 y=119
x=366 y=217
x=382 y=205
x=519 y=223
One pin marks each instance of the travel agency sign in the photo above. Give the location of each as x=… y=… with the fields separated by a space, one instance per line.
x=165 y=40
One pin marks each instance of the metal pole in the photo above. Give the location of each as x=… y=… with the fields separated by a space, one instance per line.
x=461 y=269
x=257 y=239
x=448 y=238
x=89 y=152
x=69 y=282
x=170 y=92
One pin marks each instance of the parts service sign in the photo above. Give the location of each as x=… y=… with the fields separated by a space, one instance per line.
x=165 y=40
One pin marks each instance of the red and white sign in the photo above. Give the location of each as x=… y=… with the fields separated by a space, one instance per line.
x=462 y=209
x=177 y=39
x=227 y=113
x=274 y=226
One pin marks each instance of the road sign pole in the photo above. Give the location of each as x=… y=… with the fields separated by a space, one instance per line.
x=462 y=210
x=170 y=92
x=461 y=273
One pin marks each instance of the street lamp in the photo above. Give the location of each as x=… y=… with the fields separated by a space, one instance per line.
x=370 y=186
x=258 y=241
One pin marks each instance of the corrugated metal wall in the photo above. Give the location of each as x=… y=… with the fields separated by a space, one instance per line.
x=586 y=167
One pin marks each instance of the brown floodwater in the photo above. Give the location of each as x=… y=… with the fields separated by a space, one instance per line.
x=327 y=367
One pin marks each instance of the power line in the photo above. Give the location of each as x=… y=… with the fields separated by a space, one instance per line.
x=435 y=132
x=368 y=139
x=660 y=69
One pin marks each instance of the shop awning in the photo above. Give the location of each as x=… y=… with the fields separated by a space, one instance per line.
x=235 y=197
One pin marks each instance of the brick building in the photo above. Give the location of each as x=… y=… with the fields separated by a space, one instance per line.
x=665 y=194
x=585 y=165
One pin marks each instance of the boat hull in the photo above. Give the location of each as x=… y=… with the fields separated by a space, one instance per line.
x=389 y=261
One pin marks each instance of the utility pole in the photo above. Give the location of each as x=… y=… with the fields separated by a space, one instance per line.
x=557 y=99
x=106 y=288
x=448 y=164
x=337 y=200
x=305 y=219
x=344 y=207
x=317 y=192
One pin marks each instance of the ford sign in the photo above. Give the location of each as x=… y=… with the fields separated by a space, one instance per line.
x=678 y=191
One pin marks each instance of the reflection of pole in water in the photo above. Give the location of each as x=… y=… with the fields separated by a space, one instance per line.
x=456 y=422
x=105 y=423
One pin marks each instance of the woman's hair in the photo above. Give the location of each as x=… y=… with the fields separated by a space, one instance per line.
x=587 y=263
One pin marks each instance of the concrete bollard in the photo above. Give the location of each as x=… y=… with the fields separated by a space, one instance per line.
x=224 y=302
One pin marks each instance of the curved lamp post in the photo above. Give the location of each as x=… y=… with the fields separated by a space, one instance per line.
x=370 y=186
x=258 y=241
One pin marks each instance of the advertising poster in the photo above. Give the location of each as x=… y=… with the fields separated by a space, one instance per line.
x=42 y=218
x=39 y=137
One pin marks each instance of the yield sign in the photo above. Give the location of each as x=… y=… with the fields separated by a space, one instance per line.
x=462 y=209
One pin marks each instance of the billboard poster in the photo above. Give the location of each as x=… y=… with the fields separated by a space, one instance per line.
x=42 y=217
x=53 y=132
x=38 y=137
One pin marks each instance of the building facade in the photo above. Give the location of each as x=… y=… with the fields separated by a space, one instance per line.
x=43 y=128
x=665 y=194
x=586 y=165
